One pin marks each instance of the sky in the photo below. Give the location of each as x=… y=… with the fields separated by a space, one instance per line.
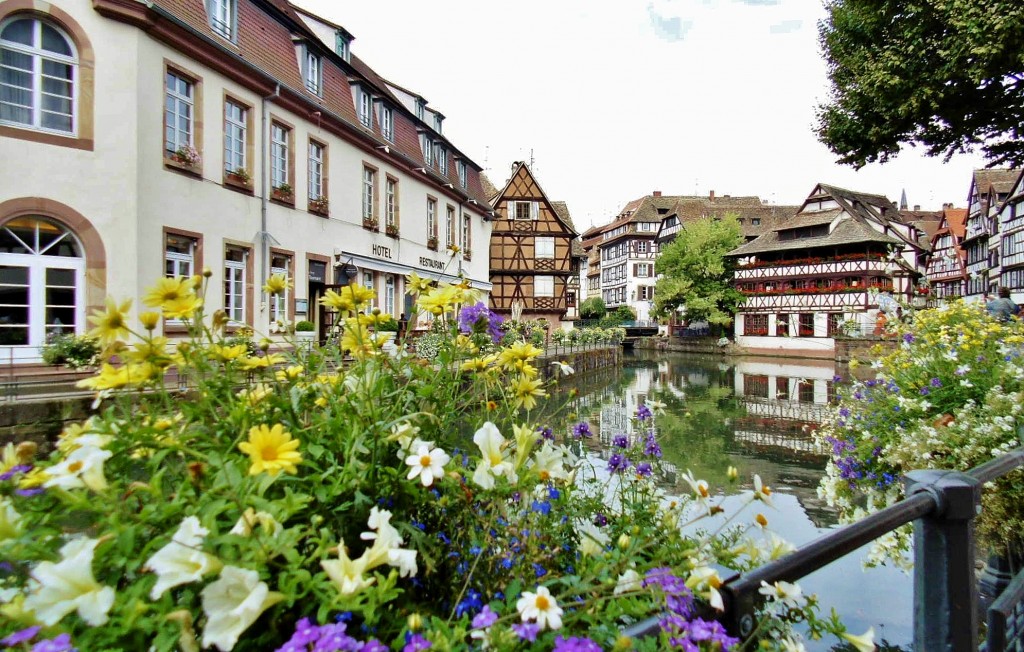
x=612 y=100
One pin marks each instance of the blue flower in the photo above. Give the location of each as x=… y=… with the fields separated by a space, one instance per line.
x=544 y=507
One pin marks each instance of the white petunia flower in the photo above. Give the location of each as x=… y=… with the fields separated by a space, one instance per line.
x=69 y=585
x=10 y=520
x=347 y=574
x=494 y=460
x=864 y=643
x=563 y=368
x=704 y=581
x=540 y=607
x=182 y=561
x=387 y=544
x=426 y=464
x=251 y=518
x=787 y=593
x=83 y=467
x=627 y=582
x=232 y=604
x=549 y=462
x=592 y=539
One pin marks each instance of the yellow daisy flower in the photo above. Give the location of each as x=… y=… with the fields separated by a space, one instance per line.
x=277 y=284
x=272 y=450
x=181 y=308
x=518 y=352
x=222 y=353
x=415 y=284
x=168 y=289
x=149 y=319
x=110 y=324
x=262 y=362
x=526 y=390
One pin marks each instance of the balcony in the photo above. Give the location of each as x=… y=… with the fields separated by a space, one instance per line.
x=810 y=268
x=820 y=300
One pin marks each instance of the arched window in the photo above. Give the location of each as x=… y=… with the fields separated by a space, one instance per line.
x=38 y=76
x=42 y=285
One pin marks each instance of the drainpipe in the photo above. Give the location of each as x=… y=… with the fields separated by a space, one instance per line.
x=264 y=235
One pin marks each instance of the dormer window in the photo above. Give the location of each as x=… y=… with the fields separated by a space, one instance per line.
x=222 y=15
x=343 y=45
x=387 y=123
x=428 y=149
x=441 y=157
x=461 y=166
x=365 y=109
x=312 y=71
x=420 y=108
x=438 y=119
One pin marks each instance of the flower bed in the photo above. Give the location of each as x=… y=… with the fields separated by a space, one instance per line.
x=950 y=397
x=286 y=502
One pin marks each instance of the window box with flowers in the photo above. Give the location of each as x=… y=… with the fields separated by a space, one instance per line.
x=239 y=178
x=319 y=205
x=283 y=193
x=371 y=224
x=391 y=230
x=186 y=159
x=432 y=243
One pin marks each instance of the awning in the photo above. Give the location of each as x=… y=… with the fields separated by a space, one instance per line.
x=377 y=265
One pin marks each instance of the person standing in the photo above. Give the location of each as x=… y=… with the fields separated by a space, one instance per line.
x=1002 y=308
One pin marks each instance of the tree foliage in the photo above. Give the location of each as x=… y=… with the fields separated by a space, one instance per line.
x=593 y=308
x=944 y=74
x=696 y=275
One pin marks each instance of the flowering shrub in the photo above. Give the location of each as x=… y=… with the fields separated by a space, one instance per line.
x=188 y=155
x=949 y=398
x=298 y=502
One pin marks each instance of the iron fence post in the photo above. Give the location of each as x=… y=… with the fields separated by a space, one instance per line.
x=945 y=587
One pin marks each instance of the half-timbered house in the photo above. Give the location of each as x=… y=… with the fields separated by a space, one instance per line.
x=823 y=268
x=1011 y=232
x=989 y=188
x=532 y=259
x=627 y=254
x=947 y=264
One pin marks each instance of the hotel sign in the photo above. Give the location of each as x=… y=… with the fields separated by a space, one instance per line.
x=380 y=251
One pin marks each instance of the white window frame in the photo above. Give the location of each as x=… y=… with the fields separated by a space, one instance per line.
x=449 y=223
x=279 y=302
x=442 y=158
x=38 y=56
x=369 y=185
x=182 y=263
x=387 y=123
x=316 y=171
x=365 y=109
x=183 y=108
x=463 y=180
x=431 y=218
x=236 y=134
x=223 y=17
x=312 y=71
x=389 y=295
x=390 y=202
x=544 y=247
x=466 y=225
x=428 y=149
x=234 y=285
x=532 y=213
x=543 y=286
x=278 y=155
x=369 y=282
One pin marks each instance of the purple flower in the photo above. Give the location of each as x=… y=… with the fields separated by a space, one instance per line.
x=643 y=413
x=618 y=463
x=582 y=430
x=924 y=391
x=416 y=642
x=17 y=468
x=936 y=382
x=60 y=644
x=485 y=618
x=600 y=520
x=908 y=338
x=478 y=319
x=526 y=631
x=837 y=379
x=620 y=441
x=643 y=469
x=373 y=645
x=546 y=433
x=575 y=644
x=22 y=636
x=652 y=448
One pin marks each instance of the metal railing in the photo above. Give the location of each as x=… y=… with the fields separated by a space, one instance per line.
x=942 y=505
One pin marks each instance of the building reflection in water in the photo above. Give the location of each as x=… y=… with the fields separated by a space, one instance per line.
x=759 y=415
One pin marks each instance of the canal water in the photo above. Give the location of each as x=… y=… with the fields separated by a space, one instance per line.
x=755 y=414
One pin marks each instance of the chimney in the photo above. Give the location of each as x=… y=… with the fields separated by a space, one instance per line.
x=657 y=193
x=711 y=195
x=917 y=207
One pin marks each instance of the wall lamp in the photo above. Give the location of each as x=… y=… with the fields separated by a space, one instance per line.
x=384 y=148
x=423 y=170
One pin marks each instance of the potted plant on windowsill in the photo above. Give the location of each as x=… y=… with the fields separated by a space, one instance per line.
x=239 y=177
x=391 y=230
x=282 y=193
x=371 y=223
x=185 y=158
x=319 y=205
x=432 y=243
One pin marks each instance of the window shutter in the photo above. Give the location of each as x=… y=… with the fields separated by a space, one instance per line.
x=511 y=210
x=636 y=270
x=534 y=210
